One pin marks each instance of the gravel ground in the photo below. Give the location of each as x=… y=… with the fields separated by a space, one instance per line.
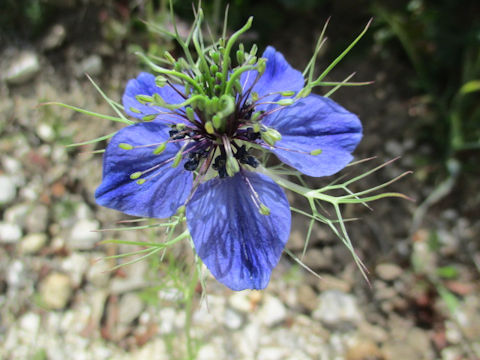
x=59 y=299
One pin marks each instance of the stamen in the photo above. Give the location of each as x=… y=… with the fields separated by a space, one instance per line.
x=125 y=146
x=262 y=209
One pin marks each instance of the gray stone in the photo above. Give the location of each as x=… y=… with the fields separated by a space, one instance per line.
x=317 y=259
x=9 y=233
x=37 y=219
x=8 y=189
x=98 y=272
x=272 y=311
x=329 y=282
x=54 y=38
x=83 y=235
x=92 y=65
x=32 y=243
x=23 y=69
x=16 y=214
x=388 y=271
x=55 y=290
x=338 y=310
x=307 y=297
x=129 y=308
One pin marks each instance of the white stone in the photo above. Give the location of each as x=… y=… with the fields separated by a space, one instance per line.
x=83 y=235
x=240 y=301
x=9 y=233
x=248 y=339
x=17 y=213
x=25 y=67
x=337 y=309
x=129 y=308
x=272 y=353
x=8 y=189
x=153 y=350
x=55 y=290
x=30 y=323
x=166 y=318
x=272 y=311
x=11 y=165
x=32 y=243
x=232 y=319
x=16 y=274
x=98 y=272
x=211 y=351
x=75 y=265
x=45 y=132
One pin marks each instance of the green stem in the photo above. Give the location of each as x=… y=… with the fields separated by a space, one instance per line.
x=231 y=41
x=189 y=314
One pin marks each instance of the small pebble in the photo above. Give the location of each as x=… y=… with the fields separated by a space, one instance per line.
x=8 y=189
x=55 y=291
x=32 y=243
x=388 y=271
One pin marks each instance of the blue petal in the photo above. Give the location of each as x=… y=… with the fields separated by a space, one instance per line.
x=315 y=122
x=144 y=84
x=238 y=244
x=158 y=197
x=278 y=76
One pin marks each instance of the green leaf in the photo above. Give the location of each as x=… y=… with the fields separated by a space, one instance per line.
x=469 y=87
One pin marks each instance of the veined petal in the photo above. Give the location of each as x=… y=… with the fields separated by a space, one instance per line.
x=162 y=194
x=239 y=245
x=144 y=84
x=278 y=76
x=315 y=123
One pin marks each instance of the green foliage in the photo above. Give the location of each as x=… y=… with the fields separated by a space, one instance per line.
x=442 y=42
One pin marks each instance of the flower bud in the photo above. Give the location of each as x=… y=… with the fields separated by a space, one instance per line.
x=160 y=81
x=240 y=57
x=253 y=50
x=168 y=57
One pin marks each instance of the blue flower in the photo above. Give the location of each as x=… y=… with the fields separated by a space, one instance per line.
x=239 y=219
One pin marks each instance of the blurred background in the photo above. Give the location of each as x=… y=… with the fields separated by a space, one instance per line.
x=60 y=300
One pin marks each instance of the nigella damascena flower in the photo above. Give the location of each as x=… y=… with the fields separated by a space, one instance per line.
x=199 y=154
